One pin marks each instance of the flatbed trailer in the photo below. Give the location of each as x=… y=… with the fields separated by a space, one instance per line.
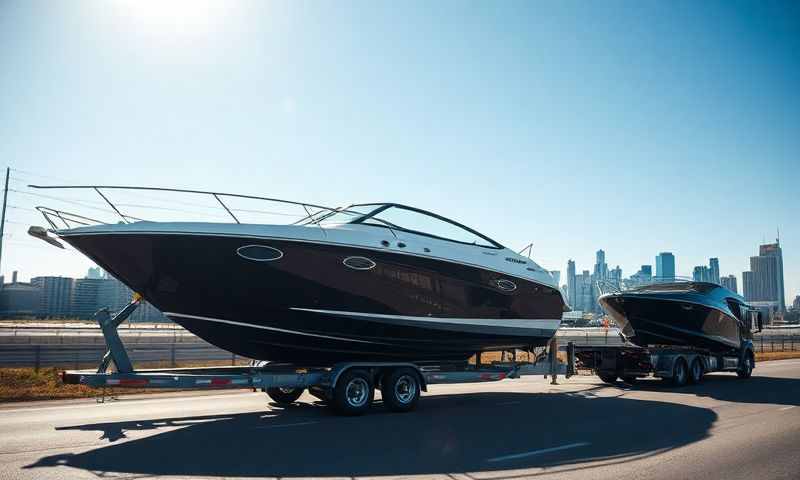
x=675 y=364
x=348 y=387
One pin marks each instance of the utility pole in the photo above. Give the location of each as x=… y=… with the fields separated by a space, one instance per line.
x=3 y=219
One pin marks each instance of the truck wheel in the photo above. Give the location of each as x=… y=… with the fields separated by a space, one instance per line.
x=400 y=389
x=696 y=372
x=747 y=367
x=608 y=377
x=679 y=373
x=284 y=396
x=353 y=393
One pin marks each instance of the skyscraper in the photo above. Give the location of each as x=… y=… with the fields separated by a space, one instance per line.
x=729 y=282
x=701 y=273
x=713 y=264
x=764 y=281
x=774 y=250
x=600 y=266
x=556 y=277
x=571 y=284
x=665 y=267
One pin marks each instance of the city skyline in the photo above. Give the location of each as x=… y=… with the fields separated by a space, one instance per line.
x=527 y=122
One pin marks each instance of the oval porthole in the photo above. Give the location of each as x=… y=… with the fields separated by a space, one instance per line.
x=259 y=253
x=359 y=263
x=506 y=285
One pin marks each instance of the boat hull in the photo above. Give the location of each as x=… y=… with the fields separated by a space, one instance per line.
x=306 y=306
x=653 y=320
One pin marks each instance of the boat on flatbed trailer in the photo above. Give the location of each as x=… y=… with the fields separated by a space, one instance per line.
x=348 y=387
x=675 y=364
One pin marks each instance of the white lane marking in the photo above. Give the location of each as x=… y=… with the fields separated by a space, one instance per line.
x=787 y=408
x=263 y=327
x=287 y=425
x=538 y=452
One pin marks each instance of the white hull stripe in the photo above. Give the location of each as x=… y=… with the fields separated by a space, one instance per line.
x=543 y=324
x=274 y=329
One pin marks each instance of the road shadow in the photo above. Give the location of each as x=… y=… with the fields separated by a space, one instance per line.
x=447 y=433
x=728 y=387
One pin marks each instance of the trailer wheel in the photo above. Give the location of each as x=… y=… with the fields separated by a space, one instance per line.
x=353 y=393
x=320 y=393
x=679 y=373
x=696 y=372
x=747 y=366
x=284 y=396
x=607 y=377
x=400 y=389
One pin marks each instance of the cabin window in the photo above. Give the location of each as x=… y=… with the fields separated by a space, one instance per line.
x=359 y=263
x=259 y=253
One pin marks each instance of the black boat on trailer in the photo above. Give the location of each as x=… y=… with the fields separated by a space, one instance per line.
x=677 y=331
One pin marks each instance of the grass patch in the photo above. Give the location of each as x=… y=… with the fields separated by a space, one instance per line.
x=25 y=384
x=767 y=356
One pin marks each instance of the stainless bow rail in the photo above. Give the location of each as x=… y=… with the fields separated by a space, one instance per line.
x=54 y=216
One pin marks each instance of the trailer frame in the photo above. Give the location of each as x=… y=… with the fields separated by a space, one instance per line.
x=283 y=381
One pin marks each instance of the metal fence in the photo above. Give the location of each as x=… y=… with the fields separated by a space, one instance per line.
x=71 y=349
x=777 y=343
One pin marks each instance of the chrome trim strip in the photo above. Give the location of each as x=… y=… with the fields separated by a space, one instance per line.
x=241 y=324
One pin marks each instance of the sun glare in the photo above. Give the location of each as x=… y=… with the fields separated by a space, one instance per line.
x=179 y=17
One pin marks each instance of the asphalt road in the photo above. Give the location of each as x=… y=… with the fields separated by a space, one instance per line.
x=725 y=428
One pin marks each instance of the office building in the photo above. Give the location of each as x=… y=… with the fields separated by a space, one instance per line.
x=773 y=250
x=701 y=274
x=713 y=267
x=55 y=296
x=85 y=298
x=764 y=281
x=556 y=277
x=665 y=267
x=572 y=295
x=585 y=292
x=729 y=282
x=19 y=300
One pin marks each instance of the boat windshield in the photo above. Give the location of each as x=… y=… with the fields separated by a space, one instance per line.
x=421 y=222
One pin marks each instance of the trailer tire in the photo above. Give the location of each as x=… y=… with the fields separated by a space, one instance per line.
x=284 y=396
x=696 y=372
x=609 y=378
x=353 y=392
x=747 y=366
x=400 y=389
x=680 y=373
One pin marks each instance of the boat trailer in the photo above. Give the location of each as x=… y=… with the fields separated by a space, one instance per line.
x=347 y=386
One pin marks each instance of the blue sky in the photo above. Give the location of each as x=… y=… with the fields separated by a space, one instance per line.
x=636 y=127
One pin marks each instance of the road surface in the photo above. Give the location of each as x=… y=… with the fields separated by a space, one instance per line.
x=725 y=428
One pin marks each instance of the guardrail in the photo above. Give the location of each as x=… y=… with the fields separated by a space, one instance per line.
x=56 y=355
